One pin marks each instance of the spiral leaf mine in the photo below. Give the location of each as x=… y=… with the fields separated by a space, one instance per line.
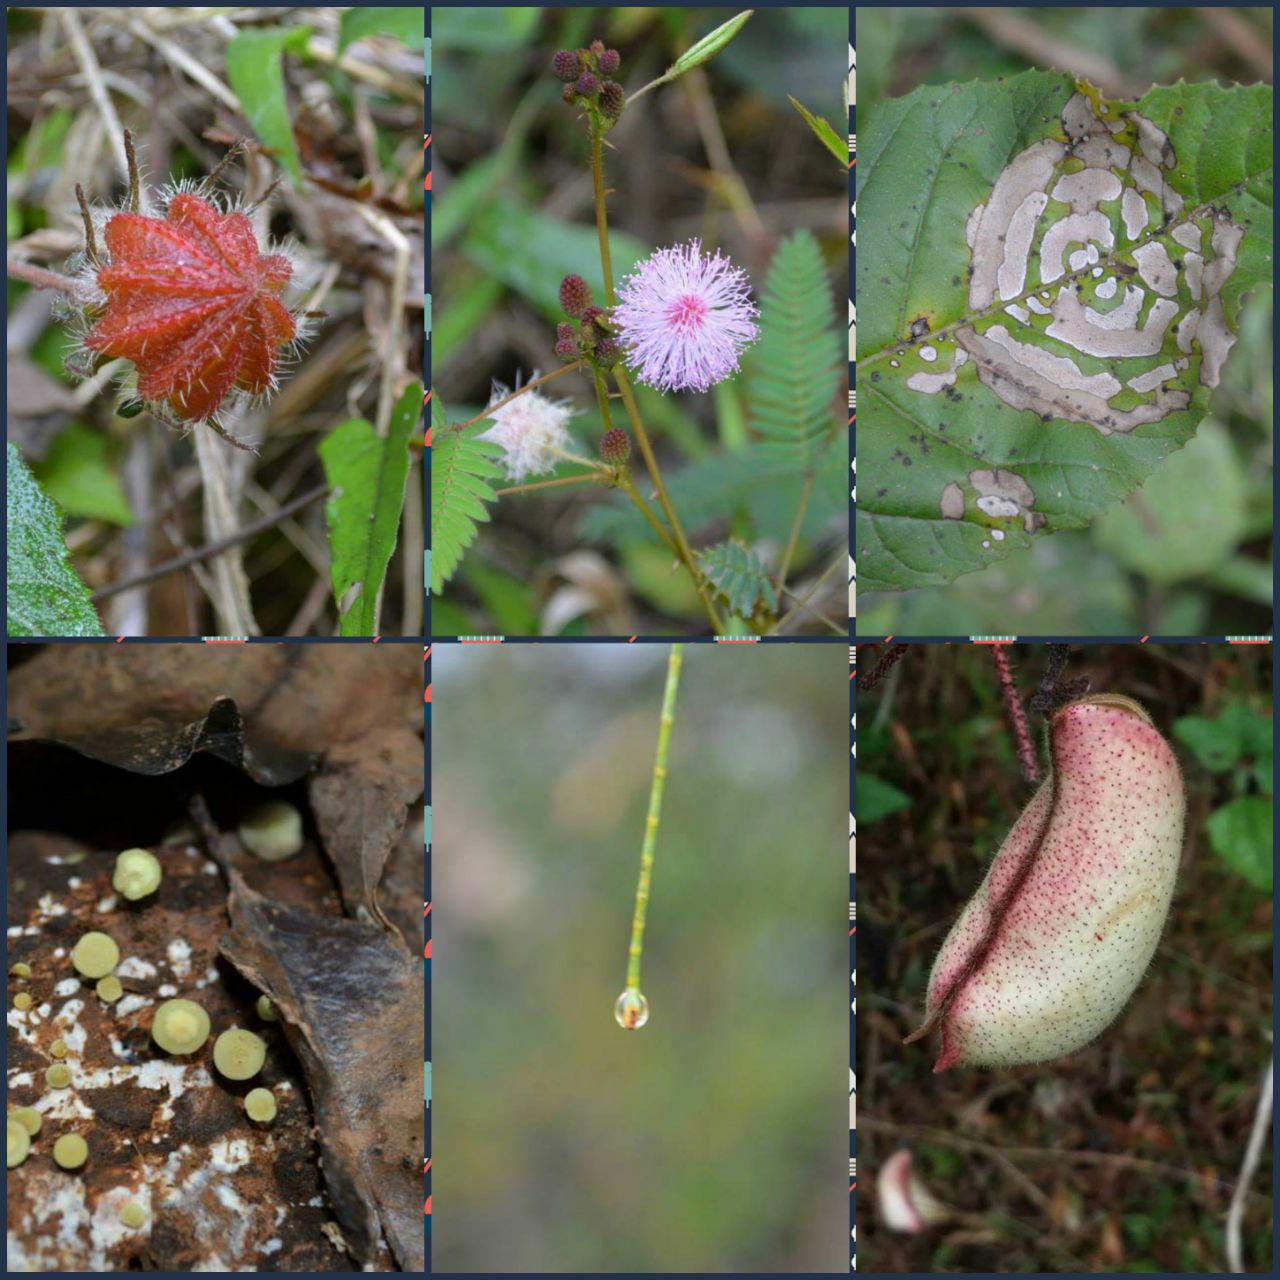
x=1057 y=937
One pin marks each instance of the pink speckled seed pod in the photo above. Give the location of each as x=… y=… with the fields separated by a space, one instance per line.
x=1056 y=939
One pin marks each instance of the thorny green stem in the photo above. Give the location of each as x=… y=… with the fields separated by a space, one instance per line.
x=674 y=661
x=519 y=391
x=664 y=500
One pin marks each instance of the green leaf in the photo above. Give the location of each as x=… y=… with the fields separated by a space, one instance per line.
x=407 y=25
x=255 y=70
x=366 y=475
x=76 y=474
x=877 y=798
x=793 y=370
x=461 y=468
x=979 y=428
x=707 y=48
x=46 y=596
x=737 y=574
x=1214 y=744
x=532 y=252
x=838 y=146
x=1240 y=833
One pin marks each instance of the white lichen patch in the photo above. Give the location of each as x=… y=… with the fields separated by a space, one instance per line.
x=131 y=1004
x=1108 y=238
x=49 y=907
x=136 y=967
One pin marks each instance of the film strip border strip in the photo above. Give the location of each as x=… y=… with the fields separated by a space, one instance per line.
x=426 y=654
x=853 y=962
x=426 y=953
x=852 y=94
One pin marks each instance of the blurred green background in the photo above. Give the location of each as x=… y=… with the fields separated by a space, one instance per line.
x=714 y=1138
x=1121 y=1157
x=1195 y=568
x=718 y=154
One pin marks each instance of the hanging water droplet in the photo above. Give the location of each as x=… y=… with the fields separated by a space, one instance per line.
x=631 y=1010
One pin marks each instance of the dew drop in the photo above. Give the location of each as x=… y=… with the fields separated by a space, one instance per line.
x=631 y=1010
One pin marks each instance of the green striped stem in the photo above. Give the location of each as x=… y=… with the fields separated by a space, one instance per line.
x=634 y=1015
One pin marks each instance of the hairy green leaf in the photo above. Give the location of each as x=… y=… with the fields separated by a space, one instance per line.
x=367 y=475
x=1048 y=287
x=737 y=574
x=46 y=596
x=792 y=371
x=461 y=469
x=255 y=69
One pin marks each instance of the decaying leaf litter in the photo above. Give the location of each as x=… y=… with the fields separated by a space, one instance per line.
x=144 y=741
x=338 y=123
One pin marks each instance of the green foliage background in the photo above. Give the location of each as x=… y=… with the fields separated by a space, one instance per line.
x=713 y=1139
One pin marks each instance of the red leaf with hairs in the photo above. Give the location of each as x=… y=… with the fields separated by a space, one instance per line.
x=194 y=303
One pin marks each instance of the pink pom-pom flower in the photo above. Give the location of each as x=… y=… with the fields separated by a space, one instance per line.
x=686 y=317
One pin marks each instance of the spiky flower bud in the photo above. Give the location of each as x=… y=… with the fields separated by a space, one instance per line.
x=569 y=93
x=564 y=332
x=588 y=86
x=615 y=446
x=597 y=47
x=595 y=315
x=610 y=61
x=567 y=350
x=565 y=65
x=607 y=352
x=575 y=295
x=612 y=99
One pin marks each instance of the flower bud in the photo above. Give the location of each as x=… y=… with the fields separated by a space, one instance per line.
x=607 y=352
x=610 y=60
x=565 y=65
x=568 y=93
x=612 y=99
x=595 y=315
x=588 y=86
x=615 y=446
x=564 y=331
x=567 y=350
x=597 y=48
x=575 y=295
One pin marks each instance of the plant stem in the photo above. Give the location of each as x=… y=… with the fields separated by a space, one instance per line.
x=519 y=391
x=795 y=529
x=38 y=276
x=674 y=661
x=628 y=486
x=802 y=601
x=592 y=477
x=664 y=500
x=602 y=222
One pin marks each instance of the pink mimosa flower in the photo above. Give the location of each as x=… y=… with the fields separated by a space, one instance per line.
x=686 y=317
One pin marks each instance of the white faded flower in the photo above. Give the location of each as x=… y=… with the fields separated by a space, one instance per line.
x=530 y=430
x=905 y=1203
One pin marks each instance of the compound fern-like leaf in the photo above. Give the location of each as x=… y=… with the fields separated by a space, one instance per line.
x=737 y=574
x=461 y=469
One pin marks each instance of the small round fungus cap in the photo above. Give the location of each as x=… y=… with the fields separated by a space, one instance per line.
x=22 y=1001
x=109 y=990
x=133 y=1214
x=21 y=970
x=260 y=1105
x=70 y=1151
x=17 y=1144
x=180 y=1026
x=266 y=1010
x=272 y=831
x=28 y=1117
x=58 y=1048
x=137 y=874
x=238 y=1054
x=95 y=955
x=58 y=1076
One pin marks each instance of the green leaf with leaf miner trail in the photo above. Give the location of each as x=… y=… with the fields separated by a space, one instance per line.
x=1048 y=287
